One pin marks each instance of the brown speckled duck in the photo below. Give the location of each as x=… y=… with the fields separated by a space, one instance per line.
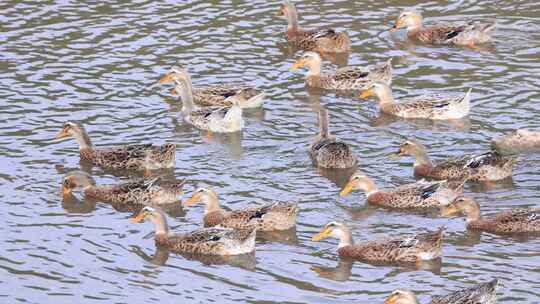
x=427 y=106
x=517 y=141
x=511 y=221
x=129 y=157
x=411 y=249
x=212 y=241
x=462 y=33
x=489 y=166
x=140 y=192
x=344 y=79
x=223 y=95
x=485 y=293
x=327 y=151
x=319 y=40
x=422 y=194
x=272 y=216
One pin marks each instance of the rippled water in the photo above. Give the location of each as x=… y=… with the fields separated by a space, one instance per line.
x=93 y=62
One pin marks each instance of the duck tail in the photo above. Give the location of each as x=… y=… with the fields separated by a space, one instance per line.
x=255 y=101
x=487 y=28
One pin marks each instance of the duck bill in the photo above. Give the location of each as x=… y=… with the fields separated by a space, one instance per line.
x=366 y=93
x=166 y=78
x=63 y=133
x=346 y=190
x=65 y=191
x=278 y=13
x=391 y=300
x=448 y=210
x=298 y=64
x=321 y=235
x=192 y=200
x=139 y=218
x=396 y=25
x=393 y=29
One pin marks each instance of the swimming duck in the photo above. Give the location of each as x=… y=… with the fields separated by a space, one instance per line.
x=422 y=194
x=511 y=221
x=223 y=95
x=489 y=166
x=213 y=119
x=485 y=293
x=517 y=141
x=427 y=107
x=212 y=241
x=273 y=216
x=320 y=40
x=142 y=191
x=462 y=33
x=347 y=78
x=327 y=151
x=411 y=249
x=128 y=157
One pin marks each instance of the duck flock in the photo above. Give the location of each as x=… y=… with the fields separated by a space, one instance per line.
x=219 y=109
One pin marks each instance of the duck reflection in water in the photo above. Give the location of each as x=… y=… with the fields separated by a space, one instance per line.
x=161 y=256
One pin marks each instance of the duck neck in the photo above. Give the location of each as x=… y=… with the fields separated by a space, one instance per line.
x=472 y=214
x=83 y=139
x=186 y=93
x=413 y=30
x=314 y=68
x=160 y=224
x=422 y=159
x=292 y=17
x=212 y=203
x=369 y=187
x=385 y=97
x=345 y=238
x=323 y=124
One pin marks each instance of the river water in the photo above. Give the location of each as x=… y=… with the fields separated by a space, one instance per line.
x=65 y=60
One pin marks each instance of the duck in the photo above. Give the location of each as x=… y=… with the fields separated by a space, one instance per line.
x=461 y=33
x=418 y=195
x=410 y=249
x=213 y=119
x=484 y=293
x=517 y=141
x=139 y=192
x=344 y=79
x=519 y=220
x=221 y=95
x=325 y=40
x=328 y=152
x=269 y=217
x=488 y=166
x=128 y=157
x=207 y=241
x=434 y=107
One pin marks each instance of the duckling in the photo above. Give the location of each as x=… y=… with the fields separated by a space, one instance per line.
x=327 y=151
x=222 y=95
x=347 y=78
x=511 y=221
x=426 y=106
x=211 y=241
x=128 y=157
x=272 y=216
x=139 y=192
x=517 y=141
x=485 y=293
x=461 y=33
x=412 y=249
x=422 y=194
x=489 y=166
x=213 y=119
x=320 y=40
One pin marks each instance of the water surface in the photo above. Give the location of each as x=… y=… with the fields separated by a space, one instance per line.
x=92 y=63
